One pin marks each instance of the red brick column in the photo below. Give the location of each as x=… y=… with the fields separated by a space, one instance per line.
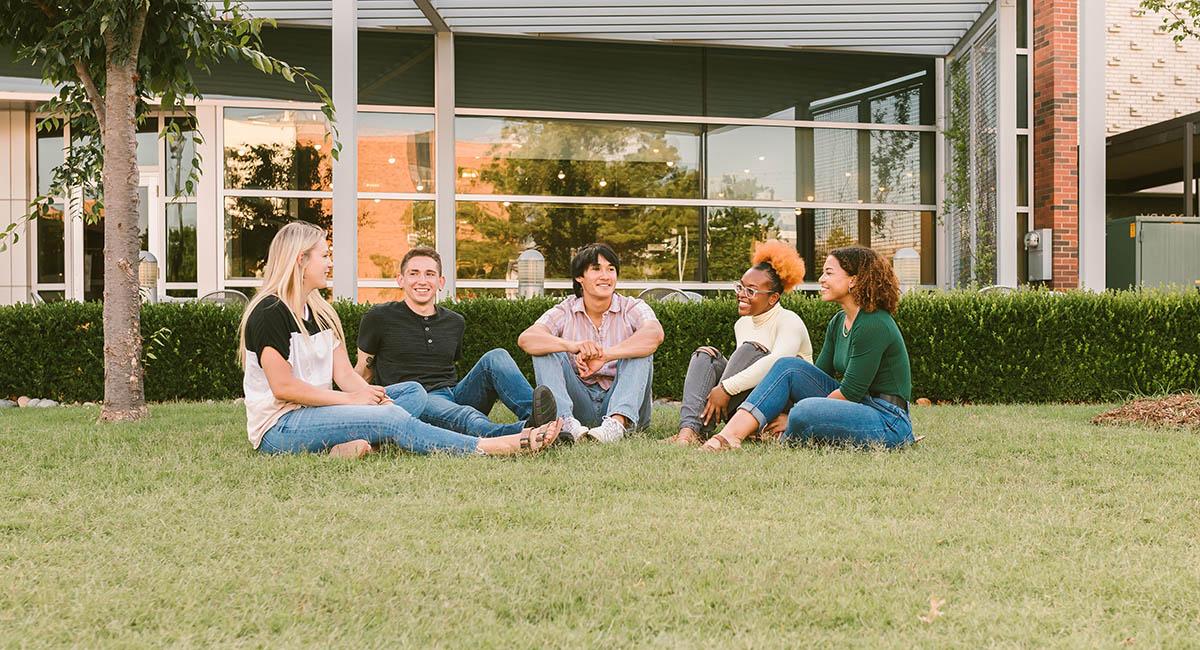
x=1056 y=133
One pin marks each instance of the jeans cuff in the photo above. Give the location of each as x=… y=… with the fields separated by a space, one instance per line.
x=754 y=411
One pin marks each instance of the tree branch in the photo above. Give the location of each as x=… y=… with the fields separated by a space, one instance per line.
x=139 y=25
x=93 y=93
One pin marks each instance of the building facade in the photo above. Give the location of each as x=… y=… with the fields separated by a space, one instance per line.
x=681 y=133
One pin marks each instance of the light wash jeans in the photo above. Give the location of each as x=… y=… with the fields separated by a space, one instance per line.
x=464 y=407
x=703 y=373
x=317 y=428
x=816 y=417
x=629 y=394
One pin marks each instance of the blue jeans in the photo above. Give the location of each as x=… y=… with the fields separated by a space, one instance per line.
x=317 y=428
x=629 y=394
x=816 y=417
x=464 y=407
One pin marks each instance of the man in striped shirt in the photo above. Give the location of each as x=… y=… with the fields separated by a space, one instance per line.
x=595 y=351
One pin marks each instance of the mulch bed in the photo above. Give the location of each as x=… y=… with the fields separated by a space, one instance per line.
x=1181 y=411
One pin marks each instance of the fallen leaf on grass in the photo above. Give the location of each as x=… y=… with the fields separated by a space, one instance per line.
x=935 y=609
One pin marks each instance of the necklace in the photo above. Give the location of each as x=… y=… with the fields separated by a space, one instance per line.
x=846 y=330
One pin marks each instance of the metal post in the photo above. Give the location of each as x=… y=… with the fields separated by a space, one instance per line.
x=1189 y=130
x=345 y=168
x=446 y=167
x=1006 y=143
x=1092 y=35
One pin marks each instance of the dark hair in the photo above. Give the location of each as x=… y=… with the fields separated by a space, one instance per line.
x=877 y=286
x=587 y=256
x=421 y=251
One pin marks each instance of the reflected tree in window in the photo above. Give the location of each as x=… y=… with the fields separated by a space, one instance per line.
x=732 y=232
x=632 y=161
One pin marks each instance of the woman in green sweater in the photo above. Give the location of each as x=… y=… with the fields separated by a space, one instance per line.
x=862 y=346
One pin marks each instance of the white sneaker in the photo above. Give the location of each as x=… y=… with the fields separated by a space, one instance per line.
x=572 y=430
x=610 y=430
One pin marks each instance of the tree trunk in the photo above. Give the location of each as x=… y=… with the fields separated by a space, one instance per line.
x=124 y=397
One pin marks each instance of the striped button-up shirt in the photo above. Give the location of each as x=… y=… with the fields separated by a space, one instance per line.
x=569 y=320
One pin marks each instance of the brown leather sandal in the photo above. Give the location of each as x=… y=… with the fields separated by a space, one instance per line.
x=690 y=439
x=535 y=440
x=719 y=443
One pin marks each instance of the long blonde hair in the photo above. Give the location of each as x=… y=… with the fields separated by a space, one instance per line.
x=283 y=278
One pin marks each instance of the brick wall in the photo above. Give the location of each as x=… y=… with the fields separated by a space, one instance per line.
x=1149 y=77
x=1056 y=133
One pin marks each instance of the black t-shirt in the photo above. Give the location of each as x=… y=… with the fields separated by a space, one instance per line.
x=411 y=347
x=271 y=325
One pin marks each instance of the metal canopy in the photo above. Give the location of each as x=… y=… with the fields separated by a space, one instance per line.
x=928 y=27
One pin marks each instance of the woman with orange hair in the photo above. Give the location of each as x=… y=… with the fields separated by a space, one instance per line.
x=765 y=333
x=863 y=346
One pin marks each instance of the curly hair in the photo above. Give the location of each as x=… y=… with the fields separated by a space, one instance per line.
x=877 y=286
x=780 y=261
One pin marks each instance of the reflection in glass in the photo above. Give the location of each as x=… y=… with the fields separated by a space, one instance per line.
x=897 y=106
x=835 y=166
x=654 y=242
x=144 y=217
x=395 y=152
x=181 y=151
x=387 y=230
x=577 y=158
x=147 y=142
x=751 y=163
x=50 y=246
x=49 y=155
x=251 y=223
x=181 y=242
x=895 y=167
x=831 y=229
x=893 y=230
x=93 y=256
x=377 y=295
x=732 y=233
x=277 y=149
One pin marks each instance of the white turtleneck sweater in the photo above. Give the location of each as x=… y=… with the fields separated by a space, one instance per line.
x=780 y=331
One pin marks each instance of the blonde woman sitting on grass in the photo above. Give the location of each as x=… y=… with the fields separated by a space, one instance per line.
x=765 y=333
x=293 y=351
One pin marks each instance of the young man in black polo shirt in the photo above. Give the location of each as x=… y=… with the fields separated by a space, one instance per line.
x=416 y=340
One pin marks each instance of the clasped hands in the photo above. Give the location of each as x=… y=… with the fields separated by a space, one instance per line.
x=589 y=357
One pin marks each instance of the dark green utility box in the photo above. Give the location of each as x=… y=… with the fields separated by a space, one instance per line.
x=1153 y=252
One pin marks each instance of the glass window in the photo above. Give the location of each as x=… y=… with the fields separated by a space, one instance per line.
x=897 y=106
x=798 y=85
x=395 y=152
x=49 y=155
x=377 y=295
x=653 y=242
x=394 y=69
x=277 y=149
x=251 y=223
x=387 y=230
x=93 y=257
x=1023 y=171
x=732 y=233
x=1022 y=91
x=147 y=142
x=752 y=163
x=835 y=166
x=181 y=151
x=577 y=76
x=50 y=246
x=896 y=166
x=907 y=240
x=311 y=49
x=181 y=242
x=577 y=158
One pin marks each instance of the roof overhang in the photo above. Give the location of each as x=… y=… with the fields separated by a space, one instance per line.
x=1151 y=156
x=917 y=27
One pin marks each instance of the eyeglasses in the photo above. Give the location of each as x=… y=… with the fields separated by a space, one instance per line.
x=743 y=290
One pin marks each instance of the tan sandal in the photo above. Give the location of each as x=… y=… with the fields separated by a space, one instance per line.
x=689 y=439
x=719 y=443
x=535 y=440
x=352 y=449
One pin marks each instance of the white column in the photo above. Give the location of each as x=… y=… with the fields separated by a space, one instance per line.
x=345 y=168
x=210 y=214
x=1092 y=211
x=16 y=279
x=447 y=172
x=1006 y=143
x=939 y=172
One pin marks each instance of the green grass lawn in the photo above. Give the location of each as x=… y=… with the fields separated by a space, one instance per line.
x=1034 y=527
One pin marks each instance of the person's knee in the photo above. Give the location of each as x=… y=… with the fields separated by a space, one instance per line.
x=802 y=416
x=497 y=357
x=753 y=347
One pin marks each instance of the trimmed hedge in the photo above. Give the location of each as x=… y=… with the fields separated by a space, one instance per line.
x=965 y=347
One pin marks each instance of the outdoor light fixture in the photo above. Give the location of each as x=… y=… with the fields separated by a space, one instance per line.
x=561 y=175
x=392 y=160
x=531 y=273
x=603 y=183
x=148 y=275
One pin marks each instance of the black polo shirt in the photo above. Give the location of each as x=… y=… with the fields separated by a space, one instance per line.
x=411 y=347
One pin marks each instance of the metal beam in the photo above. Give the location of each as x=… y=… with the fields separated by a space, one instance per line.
x=345 y=168
x=446 y=169
x=432 y=15
x=1092 y=155
x=1006 y=143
